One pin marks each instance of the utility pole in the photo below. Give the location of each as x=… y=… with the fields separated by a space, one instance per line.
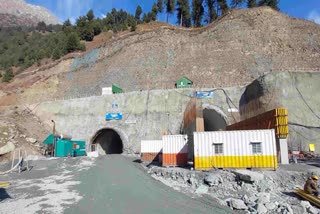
x=54 y=138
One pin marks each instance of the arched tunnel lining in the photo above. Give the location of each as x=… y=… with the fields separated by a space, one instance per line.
x=109 y=140
x=213 y=120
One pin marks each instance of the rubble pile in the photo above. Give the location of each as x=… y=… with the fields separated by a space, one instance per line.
x=13 y=137
x=246 y=190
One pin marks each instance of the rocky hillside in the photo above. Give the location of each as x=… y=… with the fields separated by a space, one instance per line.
x=233 y=51
x=19 y=13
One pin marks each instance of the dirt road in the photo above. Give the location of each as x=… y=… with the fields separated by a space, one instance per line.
x=110 y=184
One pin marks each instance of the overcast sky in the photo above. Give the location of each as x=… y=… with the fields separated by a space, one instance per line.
x=72 y=9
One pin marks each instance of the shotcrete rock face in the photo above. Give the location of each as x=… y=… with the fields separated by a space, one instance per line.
x=109 y=141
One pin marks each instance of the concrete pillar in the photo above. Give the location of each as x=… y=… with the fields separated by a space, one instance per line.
x=283 y=145
x=199 y=124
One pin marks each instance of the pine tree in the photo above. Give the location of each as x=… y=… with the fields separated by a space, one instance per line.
x=251 y=3
x=154 y=12
x=197 y=12
x=223 y=6
x=183 y=15
x=160 y=6
x=87 y=33
x=41 y=26
x=73 y=42
x=97 y=28
x=8 y=75
x=212 y=13
x=81 y=21
x=138 y=13
x=90 y=15
x=170 y=8
x=67 y=27
x=133 y=24
x=56 y=53
x=145 y=18
x=270 y=3
x=236 y=3
x=67 y=23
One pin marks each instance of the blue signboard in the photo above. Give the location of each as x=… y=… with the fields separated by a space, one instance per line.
x=201 y=94
x=114 y=116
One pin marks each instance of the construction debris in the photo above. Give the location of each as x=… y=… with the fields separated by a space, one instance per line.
x=254 y=191
x=248 y=176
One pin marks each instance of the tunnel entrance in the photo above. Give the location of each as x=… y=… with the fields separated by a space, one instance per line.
x=213 y=120
x=108 y=141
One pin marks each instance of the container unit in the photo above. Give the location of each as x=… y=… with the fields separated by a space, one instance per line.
x=235 y=149
x=72 y=148
x=63 y=148
x=79 y=148
x=175 y=150
x=151 y=150
x=107 y=91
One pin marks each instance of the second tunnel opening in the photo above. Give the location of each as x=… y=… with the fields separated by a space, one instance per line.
x=213 y=121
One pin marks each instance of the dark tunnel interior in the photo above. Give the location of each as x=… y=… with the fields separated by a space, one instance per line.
x=110 y=141
x=213 y=121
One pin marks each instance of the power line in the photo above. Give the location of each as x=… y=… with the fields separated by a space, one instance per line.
x=305 y=126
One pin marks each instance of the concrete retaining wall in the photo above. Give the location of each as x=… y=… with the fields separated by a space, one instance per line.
x=146 y=114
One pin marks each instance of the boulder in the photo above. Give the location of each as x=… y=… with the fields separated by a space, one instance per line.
x=298 y=209
x=248 y=176
x=288 y=209
x=305 y=204
x=202 y=189
x=192 y=181
x=5 y=133
x=237 y=204
x=9 y=147
x=249 y=201
x=271 y=206
x=212 y=180
x=312 y=210
x=31 y=140
x=263 y=197
x=261 y=209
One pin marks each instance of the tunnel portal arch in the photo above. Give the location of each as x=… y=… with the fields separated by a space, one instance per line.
x=214 y=118
x=109 y=141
